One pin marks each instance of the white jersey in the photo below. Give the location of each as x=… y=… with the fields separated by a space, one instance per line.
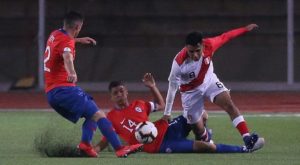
x=188 y=75
x=185 y=72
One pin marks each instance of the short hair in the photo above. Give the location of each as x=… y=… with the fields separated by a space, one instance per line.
x=193 y=38
x=71 y=18
x=113 y=84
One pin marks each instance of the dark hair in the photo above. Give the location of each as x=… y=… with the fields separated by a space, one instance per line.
x=193 y=38
x=72 y=17
x=113 y=84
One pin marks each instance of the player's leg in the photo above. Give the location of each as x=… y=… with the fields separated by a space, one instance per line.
x=93 y=113
x=175 y=137
x=61 y=100
x=205 y=147
x=196 y=120
x=175 y=141
x=220 y=95
x=193 y=111
x=224 y=101
x=200 y=131
x=189 y=146
x=179 y=128
x=70 y=103
x=107 y=130
x=88 y=129
x=204 y=117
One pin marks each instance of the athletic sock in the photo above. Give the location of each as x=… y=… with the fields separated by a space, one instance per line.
x=205 y=136
x=241 y=125
x=224 y=148
x=88 y=129
x=107 y=130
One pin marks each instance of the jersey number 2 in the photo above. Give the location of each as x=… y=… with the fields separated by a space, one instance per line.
x=48 y=53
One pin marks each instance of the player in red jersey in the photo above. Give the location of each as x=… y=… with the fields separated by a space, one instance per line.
x=69 y=100
x=192 y=72
x=171 y=138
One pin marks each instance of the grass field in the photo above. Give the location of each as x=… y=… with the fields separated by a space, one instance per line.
x=20 y=129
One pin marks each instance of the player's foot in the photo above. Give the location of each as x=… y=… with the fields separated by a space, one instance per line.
x=258 y=145
x=87 y=150
x=126 y=150
x=254 y=142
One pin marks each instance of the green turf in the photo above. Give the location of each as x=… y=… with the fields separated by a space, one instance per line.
x=20 y=129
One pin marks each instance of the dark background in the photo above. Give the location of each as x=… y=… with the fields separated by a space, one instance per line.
x=139 y=36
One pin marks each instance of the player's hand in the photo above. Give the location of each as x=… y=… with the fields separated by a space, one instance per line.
x=72 y=78
x=86 y=40
x=148 y=80
x=250 y=27
x=166 y=118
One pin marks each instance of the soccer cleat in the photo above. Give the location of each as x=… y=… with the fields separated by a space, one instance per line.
x=126 y=150
x=258 y=145
x=86 y=149
x=254 y=142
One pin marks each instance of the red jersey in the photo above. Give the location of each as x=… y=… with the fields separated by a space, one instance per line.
x=125 y=120
x=54 y=69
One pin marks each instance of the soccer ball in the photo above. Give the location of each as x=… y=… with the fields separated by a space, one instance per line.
x=145 y=132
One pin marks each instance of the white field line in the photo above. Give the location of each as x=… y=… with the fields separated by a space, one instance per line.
x=177 y=112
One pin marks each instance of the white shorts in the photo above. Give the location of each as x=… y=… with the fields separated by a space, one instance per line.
x=193 y=101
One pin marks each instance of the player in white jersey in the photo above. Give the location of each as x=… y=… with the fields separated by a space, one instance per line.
x=193 y=74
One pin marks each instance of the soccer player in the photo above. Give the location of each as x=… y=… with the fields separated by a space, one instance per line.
x=171 y=138
x=69 y=100
x=193 y=74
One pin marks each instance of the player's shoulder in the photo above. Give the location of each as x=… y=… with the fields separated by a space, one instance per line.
x=139 y=105
x=181 y=56
x=206 y=41
x=207 y=46
x=57 y=33
x=61 y=35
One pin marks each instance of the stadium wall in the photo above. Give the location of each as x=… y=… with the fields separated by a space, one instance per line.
x=136 y=36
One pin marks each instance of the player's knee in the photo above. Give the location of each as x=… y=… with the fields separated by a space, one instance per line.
x=204 y=147
x=98 y=115
x=204 y=117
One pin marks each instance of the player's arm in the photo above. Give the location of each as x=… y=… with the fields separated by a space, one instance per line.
x=218 y=41
x=101 y=145
x=69 y=65
x=173 y=86
x=149 y=81
x=86 y=40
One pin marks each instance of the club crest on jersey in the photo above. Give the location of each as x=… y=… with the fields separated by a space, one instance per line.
x=138 y=109
x=207 y=60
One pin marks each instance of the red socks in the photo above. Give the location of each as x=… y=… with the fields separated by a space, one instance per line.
x=241 y=125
